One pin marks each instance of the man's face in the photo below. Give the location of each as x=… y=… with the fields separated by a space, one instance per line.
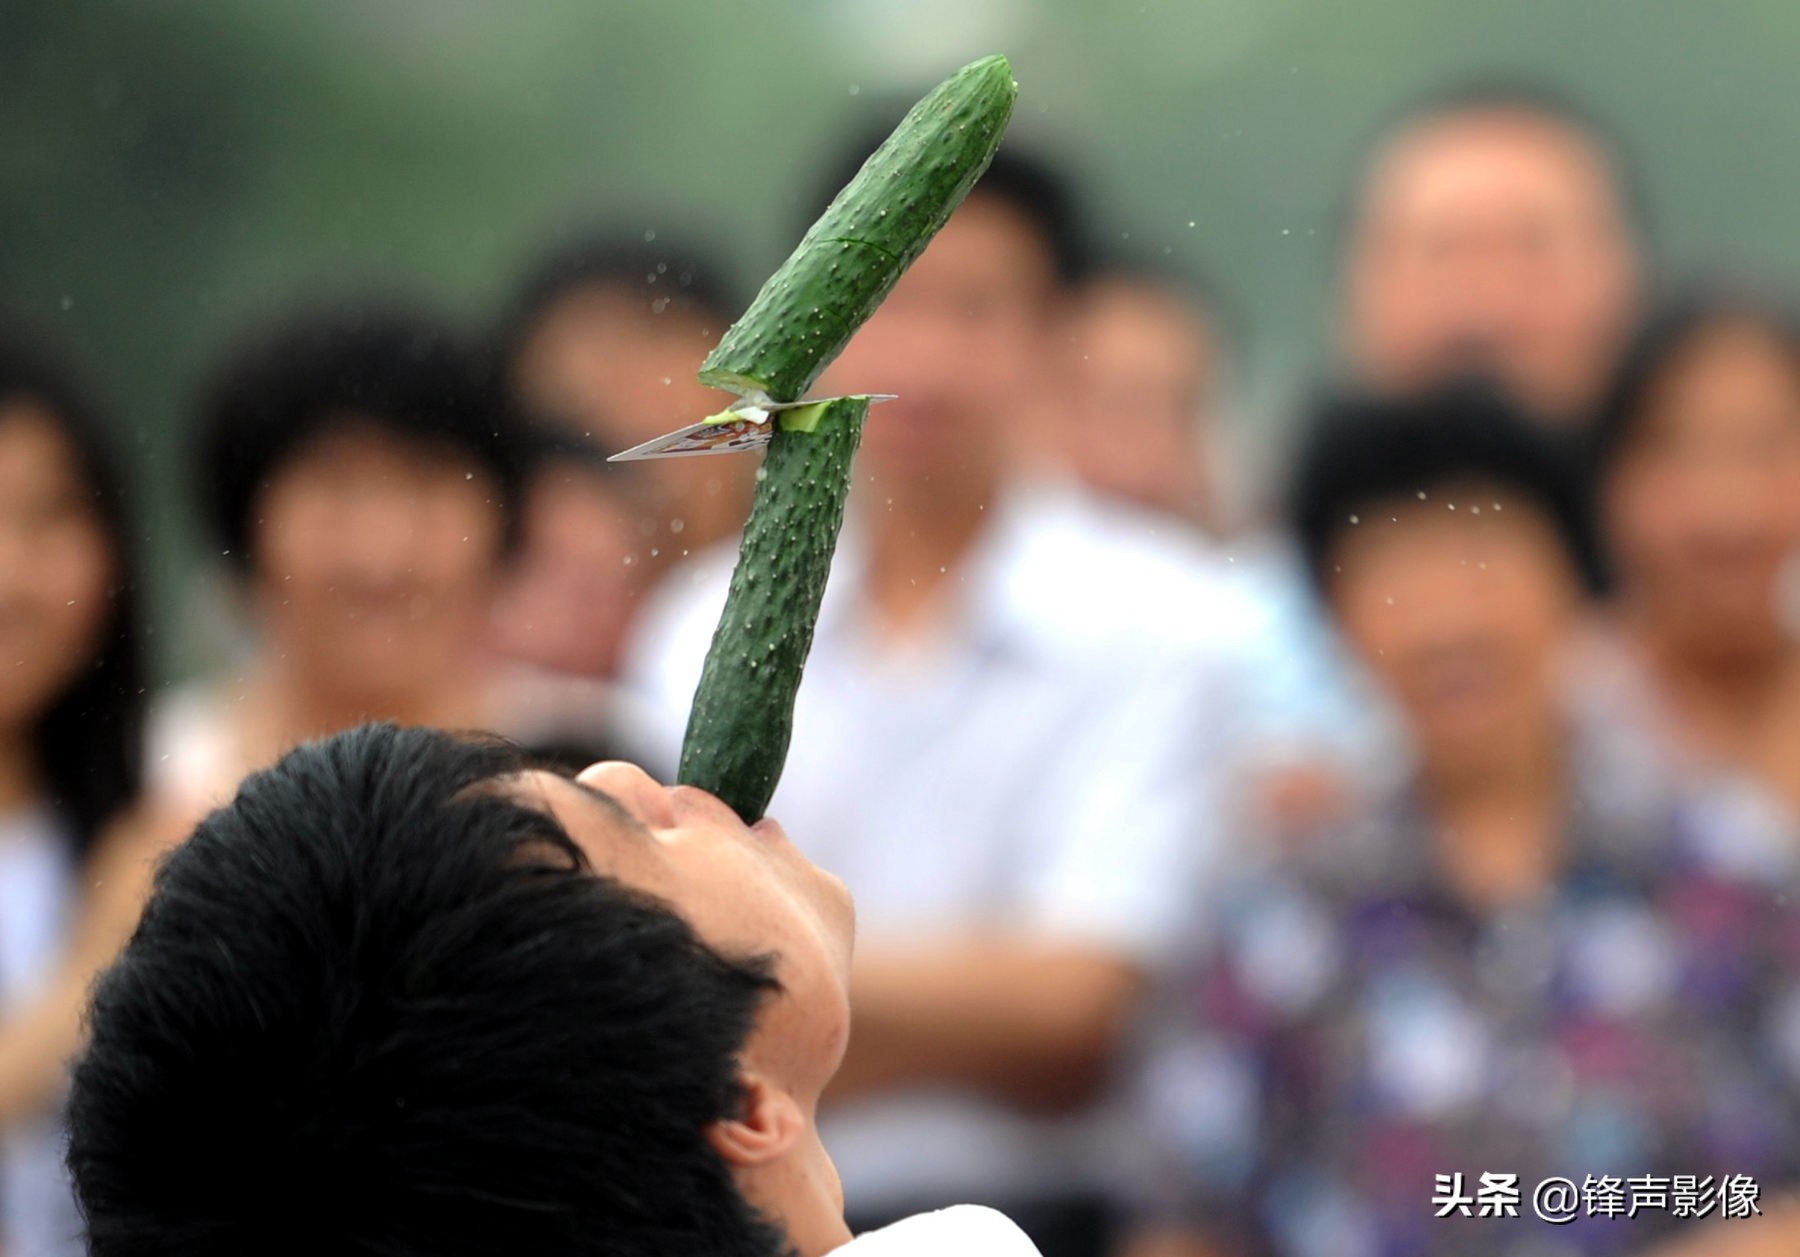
x=746 y=890
x=568 y=600
x=1493 y=242
x=1460 y=613
x=1139 y=383
x=621 y=367
x=375 y=556
x=1703 y=504
x=960 y=340
x=56 y=566
x=620 y=364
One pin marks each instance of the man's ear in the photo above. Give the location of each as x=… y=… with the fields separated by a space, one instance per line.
x=767 y=1125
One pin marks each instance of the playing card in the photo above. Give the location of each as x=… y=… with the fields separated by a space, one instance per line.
x=729 y=432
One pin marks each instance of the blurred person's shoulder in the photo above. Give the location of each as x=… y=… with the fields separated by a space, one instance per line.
x=194 y=754
x=667 y=645
x=1649 y=796
x=1079 y=575
x=572 y=720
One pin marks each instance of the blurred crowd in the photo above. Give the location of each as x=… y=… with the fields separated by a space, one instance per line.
x=1243 y=870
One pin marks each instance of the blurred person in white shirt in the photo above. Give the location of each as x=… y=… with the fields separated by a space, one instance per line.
x=1009 y=743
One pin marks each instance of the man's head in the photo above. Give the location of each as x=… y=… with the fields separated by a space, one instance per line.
x=1699 y=469
x=1141 y=380
x=1449 y=542
x=568 y=602
x=402 y=996
x=358 y=472
x=1494 y=230
x=963 y=336
x=604 y=338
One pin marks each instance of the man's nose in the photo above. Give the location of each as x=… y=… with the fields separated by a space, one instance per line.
x=636 y=790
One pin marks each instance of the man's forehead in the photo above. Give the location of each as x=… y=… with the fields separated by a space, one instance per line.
x=1429 y=147
x=599 y=824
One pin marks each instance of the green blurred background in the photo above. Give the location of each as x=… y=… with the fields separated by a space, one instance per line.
x=170 y=171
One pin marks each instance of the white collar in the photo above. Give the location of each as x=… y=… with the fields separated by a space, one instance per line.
x=959 y=1231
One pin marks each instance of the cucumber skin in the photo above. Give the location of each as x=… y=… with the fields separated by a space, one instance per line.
x=853 y=255
x=743 y=714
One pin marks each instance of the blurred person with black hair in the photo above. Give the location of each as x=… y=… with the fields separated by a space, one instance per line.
x=361 y=477
x=71 y=725
x=1698 y=471
x=1497 y=229
x=603 y=339
x=1003 y=667
x=1513 y=962
x=407 y=994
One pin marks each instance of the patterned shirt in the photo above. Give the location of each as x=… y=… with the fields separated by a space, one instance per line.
x=1359 y=1048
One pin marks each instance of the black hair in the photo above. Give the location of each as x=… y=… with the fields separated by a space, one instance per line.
x=1661 y=338
x=1364 y=450
x=673 y=275
x=373 y=362
x=1500 y=95
x=89 y=741
x=376 y=1006
x=1025 y=182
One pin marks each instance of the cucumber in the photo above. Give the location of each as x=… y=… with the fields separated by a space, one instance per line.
x=852 y=256
x=743 y=716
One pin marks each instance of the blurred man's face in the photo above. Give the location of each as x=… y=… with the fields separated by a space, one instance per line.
x=620 y=364
x=1141 y=365
x=1460 y=614
x=1491 y=242
x=1703 y=505
x=57 y=565
x=621 y=367
x=374 y=560
x=567 y=601
x=961 y=339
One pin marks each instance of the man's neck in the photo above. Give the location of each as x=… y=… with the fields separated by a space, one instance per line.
x=917 y=543
x=1498 y=813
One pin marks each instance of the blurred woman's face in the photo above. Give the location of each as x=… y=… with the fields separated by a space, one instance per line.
x=1703 y=505
x=1461 y=605
x=375 y=557
x=57 y=566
